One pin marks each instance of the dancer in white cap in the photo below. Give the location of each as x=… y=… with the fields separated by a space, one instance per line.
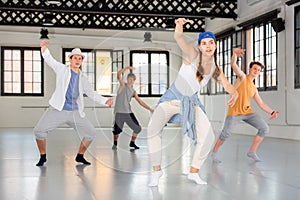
x=198 y=67
x=66 y=103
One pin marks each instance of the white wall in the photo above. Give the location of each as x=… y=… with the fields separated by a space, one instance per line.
x=249 y=9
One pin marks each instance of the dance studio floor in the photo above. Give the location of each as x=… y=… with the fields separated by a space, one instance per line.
x=124 y=174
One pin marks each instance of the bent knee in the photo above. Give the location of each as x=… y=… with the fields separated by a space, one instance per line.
x=89 y=138
x=223 y=136
x=138 y=130
x=263 y=131
x=39 y=135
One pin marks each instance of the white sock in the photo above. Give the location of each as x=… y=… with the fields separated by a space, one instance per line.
x=254 y=156
x=155 y=178
x=195 y=177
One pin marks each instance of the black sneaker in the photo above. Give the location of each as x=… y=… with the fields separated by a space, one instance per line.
x=114 y=147
x=79 y=158
x=132 y=144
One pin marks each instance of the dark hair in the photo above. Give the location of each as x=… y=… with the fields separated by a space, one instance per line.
x=200 y=70
x=256 y=63
x=73 y=55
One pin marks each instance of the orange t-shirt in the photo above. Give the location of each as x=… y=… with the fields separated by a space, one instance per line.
x=246 y=91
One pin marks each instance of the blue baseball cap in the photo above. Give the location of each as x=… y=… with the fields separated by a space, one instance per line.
x=206 y=34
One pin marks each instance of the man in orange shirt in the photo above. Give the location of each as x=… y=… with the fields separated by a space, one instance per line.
x=242 y=110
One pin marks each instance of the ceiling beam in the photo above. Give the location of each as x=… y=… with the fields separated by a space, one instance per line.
x=114 y=14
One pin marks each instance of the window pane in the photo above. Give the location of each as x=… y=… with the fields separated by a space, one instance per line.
x=104 y=71
x=8 y=55
x=155 y=88
x=16 y=55
x=7 y=65
x=37 y=88
x=158 y=61
x=19 y=63
x=37 y=66
x=37 y=56
x=16 y=88
x=144 y=79
x=28 y=65
x=265 y=46
x=8 y=87
x=28 y=87
x=8 y=77
x=155 y=79
x=37 y=78
x=28 y=76
x=297 y=48
x=17 y=77
x=28 y=55
x=152 y=69
x=16 y=66
x=298 y=56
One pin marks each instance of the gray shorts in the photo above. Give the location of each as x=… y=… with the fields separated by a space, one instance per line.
x=253 y=119
x=129 y=119
x=53 y=118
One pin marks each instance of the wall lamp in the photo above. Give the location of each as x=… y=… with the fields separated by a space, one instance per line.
x=44 y=34
x=147 y=37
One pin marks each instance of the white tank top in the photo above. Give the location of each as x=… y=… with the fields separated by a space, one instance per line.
x=187 y=83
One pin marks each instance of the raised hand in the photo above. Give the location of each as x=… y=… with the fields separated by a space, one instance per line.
x=183 y=21
x=239 y=52
x=44 y=44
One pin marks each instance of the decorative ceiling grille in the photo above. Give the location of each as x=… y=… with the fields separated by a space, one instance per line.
x=114 y=14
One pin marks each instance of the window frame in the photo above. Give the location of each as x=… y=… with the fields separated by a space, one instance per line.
x=265 y=54
x=149 y=52
x=264 y=20
x=22 y=71
x=297 y=48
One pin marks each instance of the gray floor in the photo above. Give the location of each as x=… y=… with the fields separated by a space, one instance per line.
x=123 y=174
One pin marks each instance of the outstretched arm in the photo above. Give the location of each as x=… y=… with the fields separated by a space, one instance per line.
x=237 y=53
x=189 y=51
x=142 y=103
x=229 y=88
x=264 y=106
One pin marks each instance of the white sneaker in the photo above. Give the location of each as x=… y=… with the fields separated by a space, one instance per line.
x=196 y=178
x=155 y=178
x=215 y=158
x=254 y=156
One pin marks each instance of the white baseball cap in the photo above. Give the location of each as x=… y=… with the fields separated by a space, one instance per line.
x=76 y=51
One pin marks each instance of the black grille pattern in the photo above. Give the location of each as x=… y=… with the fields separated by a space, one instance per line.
x=113 y=14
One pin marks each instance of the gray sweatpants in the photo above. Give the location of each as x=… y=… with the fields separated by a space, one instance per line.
x=53 y=118
x=253 y=119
